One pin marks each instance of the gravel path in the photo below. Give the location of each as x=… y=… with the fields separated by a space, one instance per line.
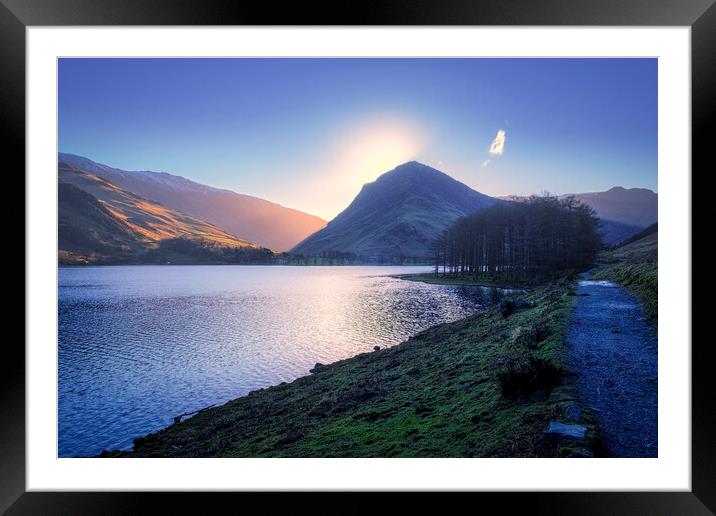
x=613 y=348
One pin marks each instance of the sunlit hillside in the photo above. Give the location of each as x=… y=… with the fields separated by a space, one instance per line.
x=257 y=220
x=151 y=220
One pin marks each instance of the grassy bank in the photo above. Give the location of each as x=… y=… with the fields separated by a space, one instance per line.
x=484 y=386
x=634 y=266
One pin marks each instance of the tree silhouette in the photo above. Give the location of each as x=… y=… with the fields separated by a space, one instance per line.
x=534 y=239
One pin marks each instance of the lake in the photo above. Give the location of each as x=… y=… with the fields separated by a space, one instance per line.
x=141 y=344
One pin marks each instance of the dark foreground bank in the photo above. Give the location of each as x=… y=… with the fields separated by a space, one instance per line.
x=485 y=386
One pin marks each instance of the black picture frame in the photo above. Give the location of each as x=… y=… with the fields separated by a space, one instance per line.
x=16 y=15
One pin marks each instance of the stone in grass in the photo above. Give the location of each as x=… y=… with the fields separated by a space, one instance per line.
x=558 y=433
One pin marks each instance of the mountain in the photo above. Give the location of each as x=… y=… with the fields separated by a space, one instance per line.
x=98 y=219
x=257 y=220
x=632 y=206
x=398 y=214
x=152 y=221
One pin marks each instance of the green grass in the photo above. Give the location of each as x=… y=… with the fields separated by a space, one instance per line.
x=438 y=394
x=634 y=266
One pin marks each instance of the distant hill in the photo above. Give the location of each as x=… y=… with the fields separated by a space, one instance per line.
x=633 y=206
x=98 y=221
x=397 y=215
x=624 y=212
x=257 y=220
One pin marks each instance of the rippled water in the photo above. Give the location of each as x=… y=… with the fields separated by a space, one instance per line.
x=141 y=344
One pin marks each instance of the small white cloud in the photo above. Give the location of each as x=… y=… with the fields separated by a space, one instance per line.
x=497 y=147
x=486 y=163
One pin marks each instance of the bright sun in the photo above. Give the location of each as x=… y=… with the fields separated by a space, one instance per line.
x=376 y=150
x=358 y=156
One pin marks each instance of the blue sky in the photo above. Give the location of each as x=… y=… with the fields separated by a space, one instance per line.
x=307 y=133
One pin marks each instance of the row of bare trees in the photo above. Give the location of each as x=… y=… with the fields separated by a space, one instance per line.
x=534 y=239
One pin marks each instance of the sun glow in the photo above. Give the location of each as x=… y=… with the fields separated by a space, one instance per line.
x=358 y=155
x=375 y=150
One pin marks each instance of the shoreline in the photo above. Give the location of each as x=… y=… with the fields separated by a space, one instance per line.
x=452 y=390
x=432 y=279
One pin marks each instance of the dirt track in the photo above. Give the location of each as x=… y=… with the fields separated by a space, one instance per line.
x=613 y=348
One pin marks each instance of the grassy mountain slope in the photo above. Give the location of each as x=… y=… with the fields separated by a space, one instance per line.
x=399 y=214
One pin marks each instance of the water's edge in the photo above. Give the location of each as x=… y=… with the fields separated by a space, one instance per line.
x=141 y=345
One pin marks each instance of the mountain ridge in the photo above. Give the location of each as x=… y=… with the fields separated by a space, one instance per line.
x=266 y=223
x=152 y=221
x=632 y=206
x=398 y=215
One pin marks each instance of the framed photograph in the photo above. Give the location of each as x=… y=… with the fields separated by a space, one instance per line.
x=412 y=250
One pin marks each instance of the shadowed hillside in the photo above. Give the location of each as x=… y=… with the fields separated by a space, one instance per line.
x=614 y=232
x=87 y=227
x=398 y=214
